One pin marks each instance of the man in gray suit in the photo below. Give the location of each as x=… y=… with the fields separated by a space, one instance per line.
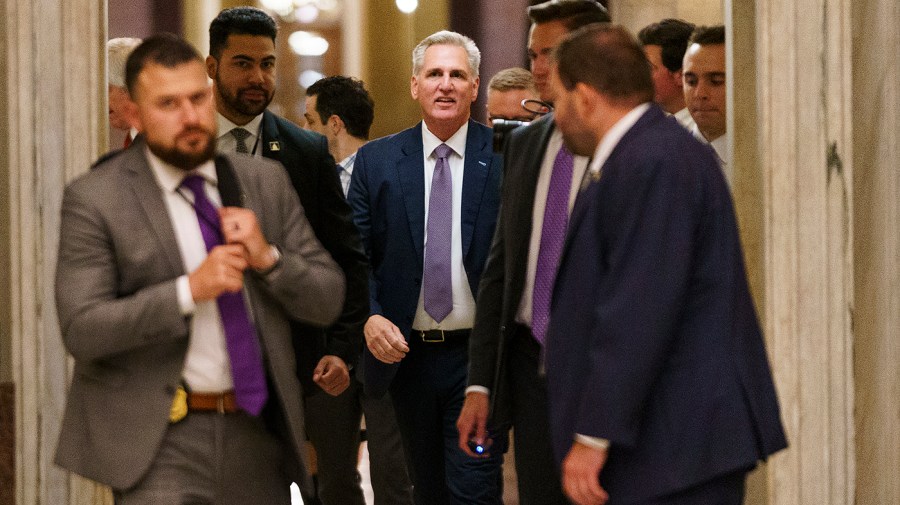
x=177 y=274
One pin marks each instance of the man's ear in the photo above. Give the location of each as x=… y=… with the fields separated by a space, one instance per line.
x=212 y=65
x=335 y=124
x=130 y=111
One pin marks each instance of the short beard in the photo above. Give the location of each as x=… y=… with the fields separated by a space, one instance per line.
x=234 y=103
x=184 y=160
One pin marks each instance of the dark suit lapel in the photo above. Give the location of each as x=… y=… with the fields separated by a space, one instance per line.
x=589 y=193
x=412 y=181
x=271 y=139
x=149 y=196
x=479 y=151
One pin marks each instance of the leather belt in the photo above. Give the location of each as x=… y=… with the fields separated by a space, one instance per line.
x=223 y=403
x=441 y=336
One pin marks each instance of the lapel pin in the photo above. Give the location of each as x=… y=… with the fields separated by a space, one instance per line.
x=274 y=146
x=482 y=163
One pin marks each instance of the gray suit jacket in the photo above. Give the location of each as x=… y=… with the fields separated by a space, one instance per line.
x=120 y=320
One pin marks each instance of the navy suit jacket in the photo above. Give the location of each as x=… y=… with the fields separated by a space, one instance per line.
x=387 y=194
x=654 y=342
x=312 y=172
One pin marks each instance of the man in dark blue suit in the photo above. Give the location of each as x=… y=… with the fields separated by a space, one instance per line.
x=425 y=201
x=659 y=385
x=242 y=66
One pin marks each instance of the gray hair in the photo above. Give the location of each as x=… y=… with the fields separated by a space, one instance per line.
x=450 y=39
x=117 y=51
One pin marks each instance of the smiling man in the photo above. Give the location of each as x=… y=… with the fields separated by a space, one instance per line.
x=425 y=201
x=705 y=91
x=242 y=66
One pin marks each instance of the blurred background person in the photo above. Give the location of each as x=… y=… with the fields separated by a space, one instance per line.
x=664 y=44
x=506 y=92
x=121 y=129
x=341 y=109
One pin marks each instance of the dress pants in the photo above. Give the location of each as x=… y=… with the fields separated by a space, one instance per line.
x=725 y=490
x=214 y=459
x=428 y=393
x=332 y=423
x=536 y=469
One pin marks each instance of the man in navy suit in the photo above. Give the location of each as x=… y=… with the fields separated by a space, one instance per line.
x=659 y=385
x=242 y=66
x=425 y=201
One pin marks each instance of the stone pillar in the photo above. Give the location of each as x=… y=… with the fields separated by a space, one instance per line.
x=876 y=248
x=804 y=136
x=54 y=125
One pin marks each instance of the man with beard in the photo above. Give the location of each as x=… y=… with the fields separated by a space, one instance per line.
x=178 y=271
x=242 y=66
x=659 y=386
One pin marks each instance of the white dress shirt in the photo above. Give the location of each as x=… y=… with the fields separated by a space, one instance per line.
x=207 y=367
x=684 y=117
x=346 y=172
x=721 y=148
x=463 y=314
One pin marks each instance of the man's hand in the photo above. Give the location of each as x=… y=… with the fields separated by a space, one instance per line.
x=472 y=423
x=221 y=272
x=332 y=375
x=239 y=226
x=385 y=340
x=581 y=475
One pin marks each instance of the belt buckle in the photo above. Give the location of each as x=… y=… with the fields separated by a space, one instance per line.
x=220 y=404
x=432 y=340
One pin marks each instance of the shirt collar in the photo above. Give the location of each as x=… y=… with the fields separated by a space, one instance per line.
x=457 y=141
x=169 y=177
x=225 y=125
x=347 y=163
x=615 y=134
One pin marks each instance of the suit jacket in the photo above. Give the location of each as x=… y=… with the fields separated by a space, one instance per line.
x=653 y=342
x=119 y=315
x=503 y=281
x=387 y=195
x=312 y=172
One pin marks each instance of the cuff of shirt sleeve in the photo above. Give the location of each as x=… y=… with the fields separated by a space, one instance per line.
x=478 y=389
x=185 y=299
x=592 y=442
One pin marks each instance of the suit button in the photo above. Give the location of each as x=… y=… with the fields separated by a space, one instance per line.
x=417 y=280
x=170 y=389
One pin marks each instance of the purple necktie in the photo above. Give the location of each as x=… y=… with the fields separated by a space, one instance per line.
x=438 y=281
x=240 y=336
x=553 y=234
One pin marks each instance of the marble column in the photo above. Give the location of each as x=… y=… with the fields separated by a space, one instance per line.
x=54 y=125
x=876 y=249
x=804 y=154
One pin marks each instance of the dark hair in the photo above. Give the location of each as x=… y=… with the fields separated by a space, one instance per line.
x=347 y=98
x=607 y=58
x=708 y=35
x=573 y=13
x=164 y=49
x=239 y=21
x=672 y=36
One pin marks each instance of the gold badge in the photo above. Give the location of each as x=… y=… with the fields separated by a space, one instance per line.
x=179 y=408
x=274 y=146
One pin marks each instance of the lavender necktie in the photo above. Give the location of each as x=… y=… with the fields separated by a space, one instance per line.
x=240 y=336
x=438 y=281
x=553 y=234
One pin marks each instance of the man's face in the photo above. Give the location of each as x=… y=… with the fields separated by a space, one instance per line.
x=704 y=88
x=313 y=121
x=570 y=118
x=244 y=77
x=445 y=86
x=118 y=105
x=542 y=40
x=174 y=111
x=508 y=105
x=667 y=84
